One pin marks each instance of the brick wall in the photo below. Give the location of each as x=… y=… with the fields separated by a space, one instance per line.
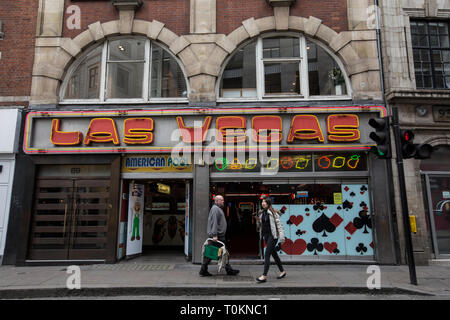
x=16 y=64
x=173 y=13
x=231 y=13
x=333 y=13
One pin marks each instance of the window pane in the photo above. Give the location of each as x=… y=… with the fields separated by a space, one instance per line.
x=422 y=28
x=427 y=82
x=434 y=41
x=84 y=82
x=433 y=28
x=127 y=49
x=444 y=40
x=423 y=41
x=425 y=55
x=167 y=78
x=124 y=80
x=325 y=76
x=414 y=27
x=446 y=56
x=281 y=47
x=281 y=78
x=439 y=81
x=239 y=76
x=419 y=80
x=443 y=28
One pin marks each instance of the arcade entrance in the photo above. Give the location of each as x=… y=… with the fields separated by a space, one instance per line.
x=326 y=220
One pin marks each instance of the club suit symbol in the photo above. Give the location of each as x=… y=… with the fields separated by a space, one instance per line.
x=315 y=246
x=364 y=220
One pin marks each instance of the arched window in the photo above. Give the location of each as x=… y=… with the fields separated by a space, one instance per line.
x=283 y=67
x=124 y=69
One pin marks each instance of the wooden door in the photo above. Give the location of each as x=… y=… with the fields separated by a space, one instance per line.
x=71 y=220
x=90 y=219
x=53 y=205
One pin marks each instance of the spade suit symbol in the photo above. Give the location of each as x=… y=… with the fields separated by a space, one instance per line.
x=323 y=224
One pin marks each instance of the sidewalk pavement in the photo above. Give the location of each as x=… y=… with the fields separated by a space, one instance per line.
x=180 y=278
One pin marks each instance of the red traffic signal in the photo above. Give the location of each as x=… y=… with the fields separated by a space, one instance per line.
x=408 y=147
x=407 y=135
x=414 y=150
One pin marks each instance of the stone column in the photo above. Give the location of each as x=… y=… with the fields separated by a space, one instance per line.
x=203 y=16
x=281 y=12
x=126 y=10
x=200 y=210
x=50 y=18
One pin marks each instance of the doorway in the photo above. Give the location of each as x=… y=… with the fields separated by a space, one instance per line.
x=71 y=219
x=165 y=219
x=329 y=220
x=438 y=196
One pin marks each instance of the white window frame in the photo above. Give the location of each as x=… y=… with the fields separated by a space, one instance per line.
x=145 y=99
x=303 y=69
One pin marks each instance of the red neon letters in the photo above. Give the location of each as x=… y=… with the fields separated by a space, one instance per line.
x=60 y=138
x=230 y=129
x=138 y=131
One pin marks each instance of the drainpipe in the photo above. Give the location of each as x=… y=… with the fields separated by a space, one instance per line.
x=388 y=162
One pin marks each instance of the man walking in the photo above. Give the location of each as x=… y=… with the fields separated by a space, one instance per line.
x=217 y=227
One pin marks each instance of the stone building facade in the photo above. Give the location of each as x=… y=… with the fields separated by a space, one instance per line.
x=419 y=87
x=203 y=38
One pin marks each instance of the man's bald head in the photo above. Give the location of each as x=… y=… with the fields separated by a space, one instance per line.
x=218 y=200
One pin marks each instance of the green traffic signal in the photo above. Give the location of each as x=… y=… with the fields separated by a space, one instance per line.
x=381 y=136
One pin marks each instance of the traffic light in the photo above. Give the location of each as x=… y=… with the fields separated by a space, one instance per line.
x=381 y=136
x=411 y=149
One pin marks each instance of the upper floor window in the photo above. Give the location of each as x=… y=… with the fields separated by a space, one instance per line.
x=431 y=47
x=283 y=67
x=133 y=69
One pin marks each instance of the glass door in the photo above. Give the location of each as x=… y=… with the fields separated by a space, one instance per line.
x=438 y=193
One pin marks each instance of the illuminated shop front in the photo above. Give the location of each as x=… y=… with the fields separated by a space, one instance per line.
x=142 y=181
x=324 y=198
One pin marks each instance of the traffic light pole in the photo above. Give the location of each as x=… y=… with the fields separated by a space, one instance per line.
x=404 y=201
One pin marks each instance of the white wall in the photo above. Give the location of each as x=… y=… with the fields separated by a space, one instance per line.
x=6 y=178
x=9 y=136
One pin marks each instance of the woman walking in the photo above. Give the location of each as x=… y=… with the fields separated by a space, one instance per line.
x=271 y=228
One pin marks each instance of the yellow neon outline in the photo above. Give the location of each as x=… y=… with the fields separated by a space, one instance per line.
x=296 y=132
x=254 y=165
x=138 y=138
x=332 y=135
x=182 y=127
x=88 y=139
x=57 y=130
x=334 y=161
x=70 y=114
x=270 y=136
x=307 y=163
x=238 y=137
